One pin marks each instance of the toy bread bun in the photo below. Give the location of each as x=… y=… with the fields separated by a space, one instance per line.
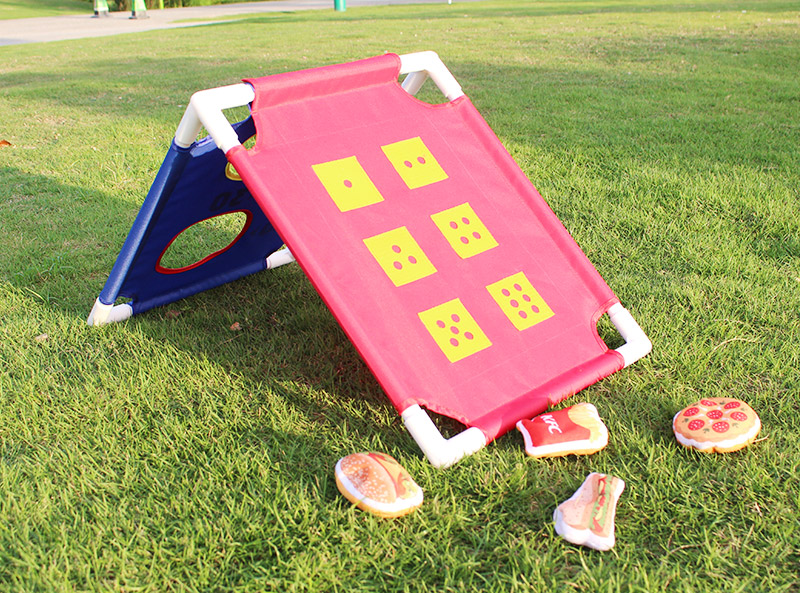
x=576 y=430
x=716 y=425
x=376 y=483
x=587 y=517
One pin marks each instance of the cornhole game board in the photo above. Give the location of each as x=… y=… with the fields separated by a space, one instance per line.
x=457 y=284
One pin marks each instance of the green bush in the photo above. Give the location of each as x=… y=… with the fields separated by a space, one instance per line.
x=124 y=5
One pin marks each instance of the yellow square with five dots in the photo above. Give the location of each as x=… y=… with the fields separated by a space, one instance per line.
x=347 y=183
x=400 y=256
x=520 y=301
x=414 y=162
x=454 y=330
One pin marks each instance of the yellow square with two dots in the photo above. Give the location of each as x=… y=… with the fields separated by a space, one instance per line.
x=415 y=164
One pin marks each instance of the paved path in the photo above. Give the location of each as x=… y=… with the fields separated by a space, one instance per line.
x=38 y=30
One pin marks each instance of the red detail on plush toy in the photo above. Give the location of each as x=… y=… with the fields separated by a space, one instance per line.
x=731 y=405
x=691 y=412
x=556 y=428
x=715 y=414
x=696 y=424
x=708 y=402
x=720 y=426
x=739 y=416
x=574 y=430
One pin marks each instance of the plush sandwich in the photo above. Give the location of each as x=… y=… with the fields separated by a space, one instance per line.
x=376 y=483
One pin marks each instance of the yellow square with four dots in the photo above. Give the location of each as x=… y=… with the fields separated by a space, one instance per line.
x=465 y=232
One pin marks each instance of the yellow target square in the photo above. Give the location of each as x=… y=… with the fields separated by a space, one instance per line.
x=465 y=232
x=454 y=330
x=400 y=256
x=520 y=301
x=414 y=162
x=347 y=183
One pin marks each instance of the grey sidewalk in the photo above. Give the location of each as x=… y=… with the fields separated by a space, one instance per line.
x=38 y=30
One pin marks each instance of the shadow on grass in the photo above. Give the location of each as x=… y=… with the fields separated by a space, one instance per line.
x=285 y=343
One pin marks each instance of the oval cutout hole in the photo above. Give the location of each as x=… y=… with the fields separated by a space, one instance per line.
x=203 y=241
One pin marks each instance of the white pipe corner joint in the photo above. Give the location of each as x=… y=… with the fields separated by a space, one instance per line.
x=423 y=64
x=205 y=110
x=637 y=344
x=102 y=313
x=441 y=452
x=280 y=258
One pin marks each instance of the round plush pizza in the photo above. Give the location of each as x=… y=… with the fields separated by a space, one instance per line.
x=716 y=425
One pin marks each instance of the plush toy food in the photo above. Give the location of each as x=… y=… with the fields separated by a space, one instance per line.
x=587 y=518
x=716 y=425
x=576 y=430
x=375 y=482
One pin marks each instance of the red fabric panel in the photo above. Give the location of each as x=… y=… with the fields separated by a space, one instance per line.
x=502 y=419
x=321 y=82
x=313 y=117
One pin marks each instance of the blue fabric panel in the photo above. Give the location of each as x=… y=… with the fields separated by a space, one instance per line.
x=190 y=186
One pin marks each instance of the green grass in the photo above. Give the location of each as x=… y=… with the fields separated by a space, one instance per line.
x=171 y=453
x=19 y=9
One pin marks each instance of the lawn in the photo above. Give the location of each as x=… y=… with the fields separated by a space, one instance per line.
x=18 y=9
x=192 y=447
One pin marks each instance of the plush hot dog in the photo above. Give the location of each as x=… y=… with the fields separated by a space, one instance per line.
x=587 y=517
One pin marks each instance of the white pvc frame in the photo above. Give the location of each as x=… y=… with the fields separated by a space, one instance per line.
x=205 y=107
x=102 y=313
x=205 y=111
